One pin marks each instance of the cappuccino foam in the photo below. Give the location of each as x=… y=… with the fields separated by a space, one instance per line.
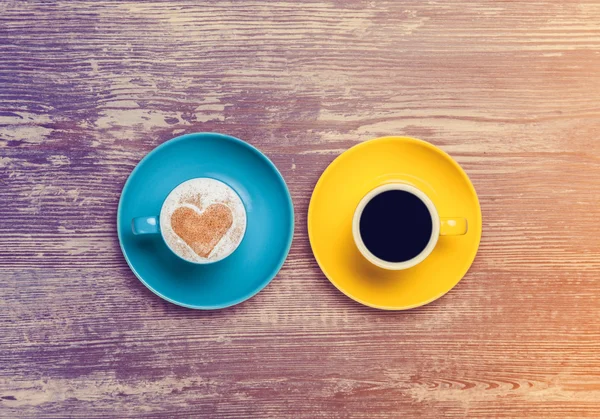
x=203 y=220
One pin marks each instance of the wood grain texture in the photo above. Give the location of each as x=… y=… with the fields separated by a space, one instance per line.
x=510 y=89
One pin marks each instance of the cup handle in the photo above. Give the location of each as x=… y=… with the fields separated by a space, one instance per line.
x=144 y=225
x=454 y=226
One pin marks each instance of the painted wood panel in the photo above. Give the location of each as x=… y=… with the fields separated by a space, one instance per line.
x=510 y=89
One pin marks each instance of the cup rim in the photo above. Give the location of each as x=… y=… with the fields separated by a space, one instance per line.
x=435 y=231
x=207 y=262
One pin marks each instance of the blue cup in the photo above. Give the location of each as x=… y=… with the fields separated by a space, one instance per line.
x=217 y=244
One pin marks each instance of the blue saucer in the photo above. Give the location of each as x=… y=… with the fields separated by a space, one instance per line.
x=269 y=230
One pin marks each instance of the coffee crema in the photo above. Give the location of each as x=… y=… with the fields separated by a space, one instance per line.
x=203 y=220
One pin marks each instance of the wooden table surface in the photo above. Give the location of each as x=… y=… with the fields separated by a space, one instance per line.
x=511 y=90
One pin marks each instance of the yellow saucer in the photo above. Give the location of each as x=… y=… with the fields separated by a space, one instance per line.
x=354 y=173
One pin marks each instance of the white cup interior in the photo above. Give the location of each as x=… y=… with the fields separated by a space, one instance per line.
x=435 y=231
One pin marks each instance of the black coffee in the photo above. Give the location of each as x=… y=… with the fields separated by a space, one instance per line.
x=395 y=226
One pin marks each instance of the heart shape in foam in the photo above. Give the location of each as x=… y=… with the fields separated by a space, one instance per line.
x=202 y=230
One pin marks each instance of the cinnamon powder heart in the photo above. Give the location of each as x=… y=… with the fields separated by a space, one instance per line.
x=202 y=231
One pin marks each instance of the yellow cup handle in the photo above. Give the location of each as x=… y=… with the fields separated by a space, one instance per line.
x=453 y=226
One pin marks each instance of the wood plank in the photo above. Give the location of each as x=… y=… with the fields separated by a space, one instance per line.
x=509 y=89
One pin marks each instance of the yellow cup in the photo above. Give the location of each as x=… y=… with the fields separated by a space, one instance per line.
x=441 y=226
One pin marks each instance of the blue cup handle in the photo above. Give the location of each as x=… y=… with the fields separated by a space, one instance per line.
x=144 y=225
